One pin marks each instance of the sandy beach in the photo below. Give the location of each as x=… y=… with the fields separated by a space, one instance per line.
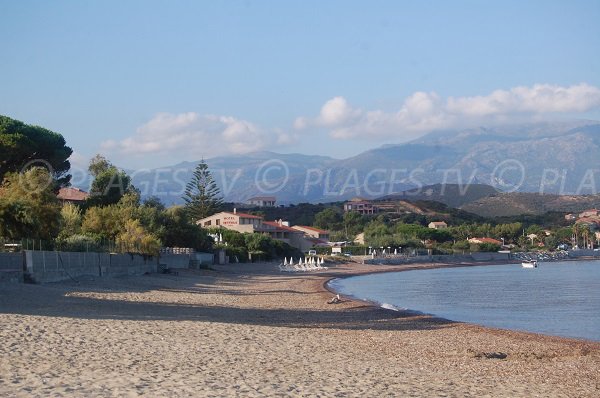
x=249 y=330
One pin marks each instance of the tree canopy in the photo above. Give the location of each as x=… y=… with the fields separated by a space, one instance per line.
x=28 y=206
x=110 y=184
x=23 y=145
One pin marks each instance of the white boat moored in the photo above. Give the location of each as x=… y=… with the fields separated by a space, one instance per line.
x=529 y=264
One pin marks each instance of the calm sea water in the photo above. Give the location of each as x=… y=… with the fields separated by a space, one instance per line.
x=557 y=298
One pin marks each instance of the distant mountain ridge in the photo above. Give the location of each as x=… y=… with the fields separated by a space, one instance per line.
x=548 y=157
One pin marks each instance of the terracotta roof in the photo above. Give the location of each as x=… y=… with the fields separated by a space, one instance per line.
x=281 y=227
x=588 y=220
x=72 y=194
x=321 y=231
x=244 y=215
x=486 y=240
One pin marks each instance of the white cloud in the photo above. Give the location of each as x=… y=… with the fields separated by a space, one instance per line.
x=193 y=135
x=422 y=112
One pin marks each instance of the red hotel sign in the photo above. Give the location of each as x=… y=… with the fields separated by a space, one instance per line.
x=230 y=220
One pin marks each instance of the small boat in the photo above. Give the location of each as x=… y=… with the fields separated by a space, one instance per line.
x=529 y=264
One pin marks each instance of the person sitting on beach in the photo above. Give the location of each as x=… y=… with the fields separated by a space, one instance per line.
x=335 y=300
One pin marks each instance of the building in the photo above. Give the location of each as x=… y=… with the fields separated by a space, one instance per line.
x=313 y=232
x=236 y=221
x=360 y=239
x=361 y=206
x=262 y=201
x=72 y=195
x=589 y=213
x=438 y=225
x=249 y=223
x=280 y=231
x=485 y=240
x=592 y=223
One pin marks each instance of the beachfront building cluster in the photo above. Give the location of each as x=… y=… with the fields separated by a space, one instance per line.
x=300 y=237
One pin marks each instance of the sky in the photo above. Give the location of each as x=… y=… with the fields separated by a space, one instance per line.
x=153 y=83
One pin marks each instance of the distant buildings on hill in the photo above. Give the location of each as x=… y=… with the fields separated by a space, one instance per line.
x=438 y=225
x=361 y=206
x=262 y=201
x=590 y=217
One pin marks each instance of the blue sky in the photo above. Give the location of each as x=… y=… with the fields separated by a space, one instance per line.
x=153 y=83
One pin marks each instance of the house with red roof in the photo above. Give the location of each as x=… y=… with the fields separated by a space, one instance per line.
x=236 y=221
x=313 y=232
x=485 y=240
x=72 y=195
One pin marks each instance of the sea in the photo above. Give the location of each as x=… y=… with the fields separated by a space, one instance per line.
x=557 y=298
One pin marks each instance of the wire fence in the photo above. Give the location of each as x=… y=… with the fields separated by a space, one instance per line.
x=82 y=243
x=73 y=245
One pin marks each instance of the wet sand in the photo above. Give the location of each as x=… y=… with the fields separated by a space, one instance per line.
x=250 y=330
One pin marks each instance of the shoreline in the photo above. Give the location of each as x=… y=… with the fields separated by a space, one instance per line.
x=426 y=266
x=250 y=330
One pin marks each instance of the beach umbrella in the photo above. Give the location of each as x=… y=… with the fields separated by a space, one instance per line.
x=395 y=251
x=285 y=261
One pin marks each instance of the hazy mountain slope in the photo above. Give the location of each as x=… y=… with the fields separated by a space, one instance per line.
x=517 y=203
x=452 y=195
x=543 y=157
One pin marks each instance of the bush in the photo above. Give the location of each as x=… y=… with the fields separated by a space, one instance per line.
x=488 y=247
x=79 y=243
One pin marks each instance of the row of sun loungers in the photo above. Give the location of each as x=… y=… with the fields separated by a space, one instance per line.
x=309 y=264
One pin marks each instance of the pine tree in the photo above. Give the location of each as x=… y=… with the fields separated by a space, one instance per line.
x=202 y=195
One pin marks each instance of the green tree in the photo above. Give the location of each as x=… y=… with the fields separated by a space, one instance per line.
x=354 y=223
x=329 y=219
x=71 y=219
x=104 y=221
x=28 y=206
x=202 y=195
x=22 y=144
x=110 y=184
x=98 y=164
x=135 y=239
x=179 y=231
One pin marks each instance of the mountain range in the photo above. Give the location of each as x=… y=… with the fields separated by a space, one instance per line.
x=545 y=157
